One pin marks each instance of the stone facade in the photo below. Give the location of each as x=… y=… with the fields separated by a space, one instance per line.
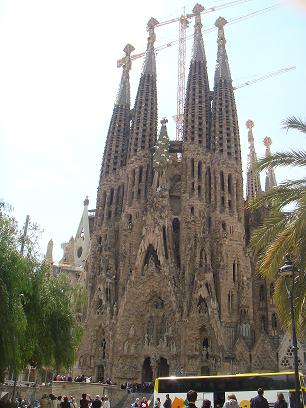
x=171 y=283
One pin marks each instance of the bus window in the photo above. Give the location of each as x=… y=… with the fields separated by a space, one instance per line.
x=219 y=399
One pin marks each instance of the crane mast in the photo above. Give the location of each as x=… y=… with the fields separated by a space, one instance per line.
x=183 y=24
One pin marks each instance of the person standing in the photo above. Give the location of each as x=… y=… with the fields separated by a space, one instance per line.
x=144 y=403
x=231 y=402
x=136 y=403
x=84 y=402
x=192 y=396
x=65 y=403
x=281 y=402
x=96 y=403
x=157 y=403
x=168 y=402
x=259 y=401
x=206 y=403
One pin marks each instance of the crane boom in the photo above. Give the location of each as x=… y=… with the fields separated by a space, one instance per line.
x=266 y=76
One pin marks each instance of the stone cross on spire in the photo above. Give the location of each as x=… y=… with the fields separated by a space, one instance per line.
x=222 y=67
x=220 y=23
x=149 y=65
x=123 y=97
x=197 y=10
x=198 y=53
x=270 y=175
x=126 y=61
x=253 y=178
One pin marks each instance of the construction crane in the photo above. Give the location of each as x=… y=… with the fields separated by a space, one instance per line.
x=183 y=24
x=263 y=77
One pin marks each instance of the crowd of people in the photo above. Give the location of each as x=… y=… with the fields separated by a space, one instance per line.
x=52 y=401
x=257 y=402
x=68 y=377
x=146 y=387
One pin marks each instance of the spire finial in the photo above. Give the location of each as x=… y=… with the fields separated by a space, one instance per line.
x=86 y=201
x=123 y=97
x=270 y=175
x=253 y=179
x=222 y=68
x=126 y=61
x=198 y=53
x=220 y=23
x=149 y=65
x=197 y=10
x=164 y=121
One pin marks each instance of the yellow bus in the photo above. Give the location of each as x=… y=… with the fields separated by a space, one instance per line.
x=216 y=388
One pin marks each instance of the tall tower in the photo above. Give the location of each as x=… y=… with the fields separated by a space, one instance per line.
x=270 y=174
x=253 y=178
x=169 y=276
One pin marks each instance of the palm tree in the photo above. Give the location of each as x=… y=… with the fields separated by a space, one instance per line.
x=284 y=230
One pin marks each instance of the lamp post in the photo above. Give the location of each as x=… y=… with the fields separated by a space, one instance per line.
x=288 y=272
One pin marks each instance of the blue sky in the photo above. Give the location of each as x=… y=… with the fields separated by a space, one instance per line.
x=58 y=83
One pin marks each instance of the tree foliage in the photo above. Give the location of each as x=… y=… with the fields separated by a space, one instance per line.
x=38 y=323
x=284 y=231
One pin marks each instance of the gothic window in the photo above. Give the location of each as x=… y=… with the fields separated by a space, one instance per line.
x=152 y=254
x=199 y=170
x=271 y=292
x=223 y=225
x=262 y=293
x=230 y=301
x=201 y=257
x=192 y=167
x=103 y=347
x=192 y=210
x=111 y=197
x=208 y=185
x=229 y=183
x=221 y=181
x=234 y=271
x=207 y=285
x=176 y=241
x=165 y=242
x=274 y=323
x=263 y=323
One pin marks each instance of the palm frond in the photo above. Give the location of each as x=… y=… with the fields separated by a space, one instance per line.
x=278 y=159
x=294 y=123
x=282 y=195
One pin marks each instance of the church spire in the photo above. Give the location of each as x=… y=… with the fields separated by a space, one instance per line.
x=225 y=132
x=144 y=123
x=270 y=175
x=253 y=178
x=197 y=105
x=115 y=151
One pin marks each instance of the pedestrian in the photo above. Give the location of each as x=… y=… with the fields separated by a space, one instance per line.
x=168 y=402
x=206 y=403
x=135 y=404
x=59 y=400
x=259 y=401
x=84 y=402
x=157 y=403
x=65 y=403
x=144 y=403
x=192 y=396
x=231 y=402
x=43 y=402
x=96 y=403
x=106 y=402
x=281 y=402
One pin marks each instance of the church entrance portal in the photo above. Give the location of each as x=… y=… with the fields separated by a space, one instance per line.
x=162 y=368
x=147 y=373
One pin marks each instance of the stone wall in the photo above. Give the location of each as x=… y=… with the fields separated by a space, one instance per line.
x=114 y=392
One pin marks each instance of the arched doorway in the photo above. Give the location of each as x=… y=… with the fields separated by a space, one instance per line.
x=162 y=367
x=147 y=373
x=100 y=373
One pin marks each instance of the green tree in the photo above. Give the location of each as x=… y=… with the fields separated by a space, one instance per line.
x=284 y=230
x=38 y=322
